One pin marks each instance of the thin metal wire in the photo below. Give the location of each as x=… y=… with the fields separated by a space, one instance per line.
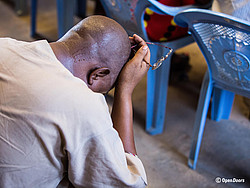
x=159 y=62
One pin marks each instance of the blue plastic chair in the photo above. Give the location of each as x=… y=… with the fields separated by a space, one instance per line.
x=66 y=10
x=225 y=43
x=129 y=13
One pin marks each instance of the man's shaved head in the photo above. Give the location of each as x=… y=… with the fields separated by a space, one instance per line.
x=99 y=39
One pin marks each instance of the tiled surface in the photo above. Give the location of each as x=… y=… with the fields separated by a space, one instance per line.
x=225 y=150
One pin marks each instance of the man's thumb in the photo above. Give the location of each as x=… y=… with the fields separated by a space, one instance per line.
x=142 y=52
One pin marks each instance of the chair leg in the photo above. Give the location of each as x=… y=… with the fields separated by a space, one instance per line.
x=222 y=103
x=21 y=7
x=157 y=86
x=81 y=7
x=200 y=120
x=33 y=18
x=65 y=15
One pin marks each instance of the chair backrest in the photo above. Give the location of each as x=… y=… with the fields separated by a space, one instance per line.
x=225 y=43
x=161 y=8
x=128 y=13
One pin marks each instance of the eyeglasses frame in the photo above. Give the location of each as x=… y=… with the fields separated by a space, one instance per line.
x=159 y=62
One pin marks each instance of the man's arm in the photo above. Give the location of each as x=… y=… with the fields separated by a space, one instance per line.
x=130 y=76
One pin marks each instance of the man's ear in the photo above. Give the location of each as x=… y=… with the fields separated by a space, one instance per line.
x=97 y=74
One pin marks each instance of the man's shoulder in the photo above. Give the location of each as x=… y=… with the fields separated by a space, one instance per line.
x=77 y=100
x=12 y=41
x=39 y=49
x=87 y=100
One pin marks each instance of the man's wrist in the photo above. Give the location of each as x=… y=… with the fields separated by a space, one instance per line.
x=123 y=89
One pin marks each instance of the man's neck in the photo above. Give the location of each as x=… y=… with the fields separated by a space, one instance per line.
x=62 y=54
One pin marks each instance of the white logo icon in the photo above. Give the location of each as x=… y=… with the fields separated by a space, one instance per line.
x=218 y=180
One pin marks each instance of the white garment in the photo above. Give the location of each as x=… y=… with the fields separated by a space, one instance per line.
x=54 y=128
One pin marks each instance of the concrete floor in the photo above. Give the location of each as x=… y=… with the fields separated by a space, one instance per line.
x=225 y=149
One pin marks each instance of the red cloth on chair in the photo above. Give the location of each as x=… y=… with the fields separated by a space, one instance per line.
x=162 y=27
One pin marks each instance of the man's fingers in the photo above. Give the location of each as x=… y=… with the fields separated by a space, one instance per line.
x=141 y=53
x=132 y=41
x=139 y=40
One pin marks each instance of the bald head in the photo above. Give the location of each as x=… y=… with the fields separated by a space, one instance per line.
x=95 y=42
x=99 y=39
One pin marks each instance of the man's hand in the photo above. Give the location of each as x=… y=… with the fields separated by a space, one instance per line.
x=136 y=68
x=130 y=76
